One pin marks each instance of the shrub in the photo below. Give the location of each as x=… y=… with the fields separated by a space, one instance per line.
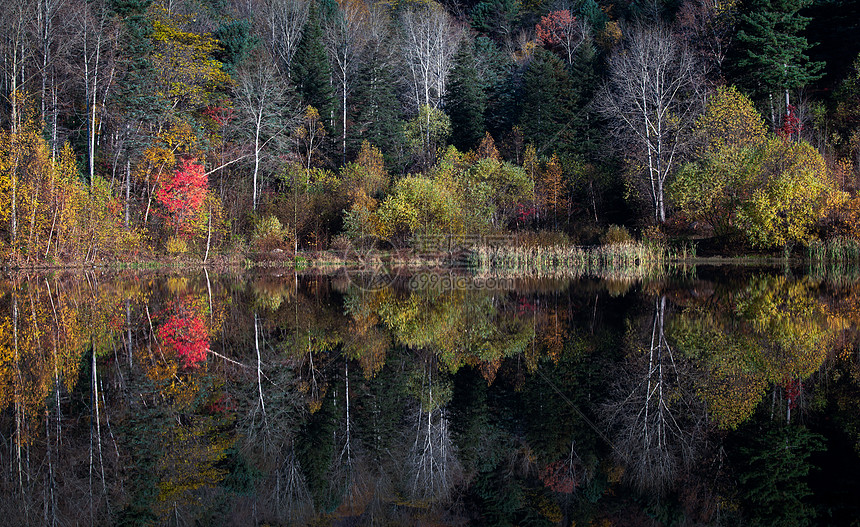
x=341 y=243
x=616 y=235
x=176 y=245
x=269 y=234
x=420 y=206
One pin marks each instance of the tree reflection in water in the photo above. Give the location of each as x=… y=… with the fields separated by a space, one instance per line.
x=654 y=418
x=264 y=399
x=432 y=465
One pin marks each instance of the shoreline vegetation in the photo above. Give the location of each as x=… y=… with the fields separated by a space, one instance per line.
x=630 y=258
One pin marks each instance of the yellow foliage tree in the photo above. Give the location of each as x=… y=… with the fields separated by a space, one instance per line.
x=729 y=119
x=52 y=212
x=769 y=189
x=550 y=189
x=187 y=75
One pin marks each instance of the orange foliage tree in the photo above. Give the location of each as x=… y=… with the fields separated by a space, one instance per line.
x=550 y=189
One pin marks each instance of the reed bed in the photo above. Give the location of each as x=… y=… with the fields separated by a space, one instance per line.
x=620 y=260
x=836 y=260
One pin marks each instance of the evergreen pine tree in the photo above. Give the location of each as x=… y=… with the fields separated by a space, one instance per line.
x=311 y=71
x=374 y=111
x=465 y=101
x=770 y=56
x=774 y=474
x=237 y=42
x=590 y=10
x=584 y=120
x=134 y=100
x=495 y=17
x=546 y=112
x=134 y=97
x=499 y=78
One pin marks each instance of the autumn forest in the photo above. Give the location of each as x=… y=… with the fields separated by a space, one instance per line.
x=419 y=262
x=138 y=128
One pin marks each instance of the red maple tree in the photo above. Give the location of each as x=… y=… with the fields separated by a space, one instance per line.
x=182 y=195
x=793 y=388
x=559 y=29
x=791 y=125
x=559 y=477
x=221 y=113
x=525 y=212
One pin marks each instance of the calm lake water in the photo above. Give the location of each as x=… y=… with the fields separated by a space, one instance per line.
x=720 y=396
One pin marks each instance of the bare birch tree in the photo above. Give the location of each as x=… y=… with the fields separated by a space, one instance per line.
x=345 y=36
x=99 y=40
x=14 y=50
x=13 y=16
x=651 y=101
x=49 y=21
x=265 y=115
x=280 y=24
x=430 y=38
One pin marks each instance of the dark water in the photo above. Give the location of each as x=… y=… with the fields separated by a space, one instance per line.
x=723 y=398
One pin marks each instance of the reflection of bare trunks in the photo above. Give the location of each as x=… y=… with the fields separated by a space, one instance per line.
x=292 y=500
x=348 y=474
x=433 y=467
x=651 y=421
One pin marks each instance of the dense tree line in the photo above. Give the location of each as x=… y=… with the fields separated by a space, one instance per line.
x=227 y=125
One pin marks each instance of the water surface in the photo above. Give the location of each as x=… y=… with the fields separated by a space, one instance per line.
x=718 y=397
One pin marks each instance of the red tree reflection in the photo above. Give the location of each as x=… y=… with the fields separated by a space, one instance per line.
x=559 y=476
x=186 y=333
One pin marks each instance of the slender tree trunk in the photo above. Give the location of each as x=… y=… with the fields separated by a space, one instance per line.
x=208 y=239
x=18 y=418
x=772 y=111
x=259 y=366
x=98 y=427
x=16 y=130
x=258 y=126
x=343 y=138
x=55 y=110
x=92 y=92
x=128 y=332
x=127 y=193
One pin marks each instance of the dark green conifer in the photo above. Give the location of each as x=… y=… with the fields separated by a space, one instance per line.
x=498 y=77
x=374 y=108
x=546 y=112
x=310 y=69
x=590 y=10
x=236 y=41
x=465 y=101
x=770 y=57
x=585 y=121
x=134 y=95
